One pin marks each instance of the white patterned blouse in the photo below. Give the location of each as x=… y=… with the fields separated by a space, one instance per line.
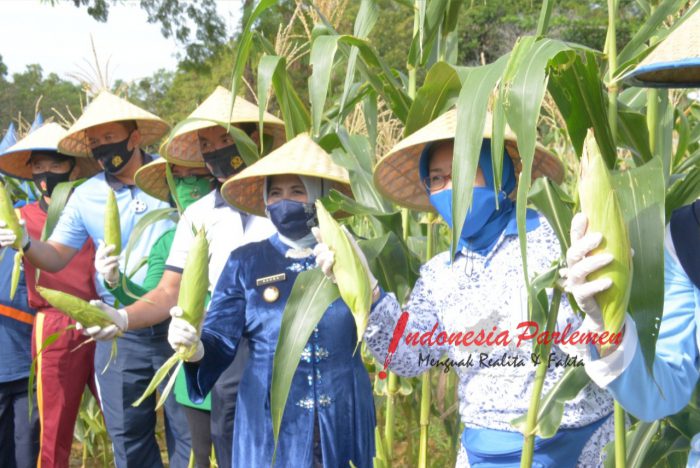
x=482 y=292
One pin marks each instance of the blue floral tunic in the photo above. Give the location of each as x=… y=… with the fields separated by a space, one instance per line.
x=330 y=382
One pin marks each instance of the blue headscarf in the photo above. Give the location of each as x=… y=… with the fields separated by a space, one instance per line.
x=484 y=223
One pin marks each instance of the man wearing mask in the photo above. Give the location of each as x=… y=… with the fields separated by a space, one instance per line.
x=207 y=140
x=66 y=367
x=112 y=131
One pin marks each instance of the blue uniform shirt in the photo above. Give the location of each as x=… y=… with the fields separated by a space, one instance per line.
x=83 y=217
x=15 y=324
x=330 y=384
x=677 y=359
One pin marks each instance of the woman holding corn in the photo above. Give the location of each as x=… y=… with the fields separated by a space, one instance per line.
x=329 y=420
x=482 y=288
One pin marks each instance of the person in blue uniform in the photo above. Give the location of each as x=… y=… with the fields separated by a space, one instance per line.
x=329 y=419
x=621 y=370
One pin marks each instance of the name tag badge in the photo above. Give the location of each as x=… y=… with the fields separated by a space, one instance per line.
x=271 y=279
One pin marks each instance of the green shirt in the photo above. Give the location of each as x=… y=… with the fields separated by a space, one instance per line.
x=156 y=266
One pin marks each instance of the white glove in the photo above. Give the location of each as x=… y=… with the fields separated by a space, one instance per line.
x=118 y=316
x=325 y=257
x=580 y=265
x=107 y=265
x=181 y=333
x=8 y=237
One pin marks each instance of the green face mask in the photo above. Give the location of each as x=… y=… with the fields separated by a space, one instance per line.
x=191 y=188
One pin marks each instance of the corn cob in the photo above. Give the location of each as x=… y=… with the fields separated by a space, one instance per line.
x=79 y=310
x=113 y=231
x=191 y=299
x=350 y=275
x=9 y=216
x=600 y=204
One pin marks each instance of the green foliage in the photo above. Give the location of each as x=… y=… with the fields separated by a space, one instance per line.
x=176 y=19
x=30 y=91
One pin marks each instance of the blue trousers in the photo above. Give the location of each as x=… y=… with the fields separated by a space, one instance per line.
x=133 y=429
x=19 y=436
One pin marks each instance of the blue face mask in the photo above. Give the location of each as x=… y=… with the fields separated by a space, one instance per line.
x=482 y=209
x=292 y=219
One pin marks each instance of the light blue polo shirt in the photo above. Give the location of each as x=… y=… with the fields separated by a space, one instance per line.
x=83 y=217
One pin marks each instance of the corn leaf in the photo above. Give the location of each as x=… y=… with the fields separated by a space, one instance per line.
x=685 y=190
x=322 y=58
x=158 y=377
x=364 y=23
x=59 y=198
x=430 y=18
x=471 y=115
x=556 y=206
x=272 y=71
x=551 y=408
x=641 y=196
x=522 y=113
x=356 y=156
x=438 y=93
x=577 y=89
x=350 y=275
x=311 y=295
x=244 y=43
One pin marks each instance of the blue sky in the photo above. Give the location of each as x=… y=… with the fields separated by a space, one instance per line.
x=58 y=38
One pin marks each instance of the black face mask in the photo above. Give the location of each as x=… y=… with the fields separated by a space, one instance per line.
x=224 y=162
x=47 y=181
x=114 y=156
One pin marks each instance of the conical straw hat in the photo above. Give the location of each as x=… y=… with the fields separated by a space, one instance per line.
x=397 y=176
x=13 y=161
x=301 y=156
x=675 y=63
x=151 y=179
x=105 y=108
x=182 y=146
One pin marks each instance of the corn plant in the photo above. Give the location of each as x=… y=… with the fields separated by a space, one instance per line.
x=584 y=91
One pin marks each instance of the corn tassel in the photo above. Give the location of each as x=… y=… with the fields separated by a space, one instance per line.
x=349 y=273
x=113 y=231
x=194 y=286
x=600 y=204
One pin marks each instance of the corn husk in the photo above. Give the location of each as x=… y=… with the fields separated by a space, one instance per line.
x=79 y=310
x=113 y=230
x=9 y=216
x=195 y=282
x=194 y=286
x=600 y=204
x=350 y=275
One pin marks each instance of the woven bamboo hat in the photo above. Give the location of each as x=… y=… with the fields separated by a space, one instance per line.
x=397 y=176
x=675 y=63
x=301 y=156
x=151 y=179
x=105 y=108
x=182 y=146
x=14 y=161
